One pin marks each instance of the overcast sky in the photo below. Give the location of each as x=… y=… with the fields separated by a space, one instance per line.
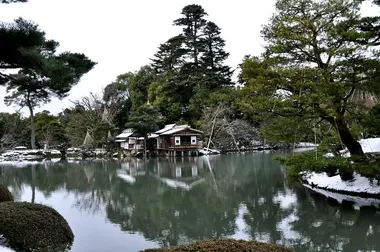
x=121 y=35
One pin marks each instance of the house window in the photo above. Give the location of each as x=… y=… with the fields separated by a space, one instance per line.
x=177 y=141
x=185 y=140
x=193 y=139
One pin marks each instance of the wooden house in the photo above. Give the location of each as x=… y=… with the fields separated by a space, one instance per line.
x=129 y=142
x=174 y=140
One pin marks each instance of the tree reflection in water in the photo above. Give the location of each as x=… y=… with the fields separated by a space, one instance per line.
x=179 y=201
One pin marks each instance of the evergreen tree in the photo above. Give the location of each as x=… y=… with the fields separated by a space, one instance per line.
x=193 y=22
x=146 y=119
x=138 y=84
x=20 y=43
x=50 y=75
x=214 y=57
x=170 y=55
x=190 y=66
x=49 y=130
x=317 y=57
x=13 y=1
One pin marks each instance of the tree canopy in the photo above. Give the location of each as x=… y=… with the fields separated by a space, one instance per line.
x=42 y=73
x=315 y=55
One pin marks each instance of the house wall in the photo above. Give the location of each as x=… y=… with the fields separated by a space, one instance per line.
x=185 y=139
x=132 y=144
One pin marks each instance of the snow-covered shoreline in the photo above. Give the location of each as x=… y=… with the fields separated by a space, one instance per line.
x=357 y=201
x=360 y=185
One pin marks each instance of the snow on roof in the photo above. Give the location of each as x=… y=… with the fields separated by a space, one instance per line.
x=166 y=128
x=152 y=135
x=180 y=128
x=124 y=135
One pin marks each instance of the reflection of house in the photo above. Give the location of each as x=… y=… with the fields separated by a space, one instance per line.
x=180 y=177
x=129 y=142
x=178 y=140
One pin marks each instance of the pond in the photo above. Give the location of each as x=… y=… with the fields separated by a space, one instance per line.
x=135 y=204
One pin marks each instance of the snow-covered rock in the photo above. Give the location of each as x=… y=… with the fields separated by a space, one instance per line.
x=359 y=184
x=305 y=145
x=206 y=152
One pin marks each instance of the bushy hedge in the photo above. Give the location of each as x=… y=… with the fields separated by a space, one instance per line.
x=345 y=167
x=225 y=245
x=5 y=194
x=34 y=227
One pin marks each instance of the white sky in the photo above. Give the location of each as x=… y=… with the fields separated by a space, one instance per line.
x=121 y=35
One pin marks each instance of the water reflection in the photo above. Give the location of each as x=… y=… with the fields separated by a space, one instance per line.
x=171 y=202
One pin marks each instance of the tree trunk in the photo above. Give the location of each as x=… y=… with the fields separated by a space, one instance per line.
x=32 y=127
x=346 y=137
x=212 y=131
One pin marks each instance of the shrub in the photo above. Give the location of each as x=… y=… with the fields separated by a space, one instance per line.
x=297 y=164
x=308 y=162
x=5 y=194
x=34 y=227
x=225 y=245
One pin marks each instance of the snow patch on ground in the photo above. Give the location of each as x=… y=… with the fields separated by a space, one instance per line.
x=5 y=249
x=305 y=145
x=359 y=184
x=27 y=154
x=358 y=201
x=369 y=145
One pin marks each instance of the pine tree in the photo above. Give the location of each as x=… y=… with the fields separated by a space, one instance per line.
x=314 y=51
x=214 y=56
x=193 y=23
x=170 y=55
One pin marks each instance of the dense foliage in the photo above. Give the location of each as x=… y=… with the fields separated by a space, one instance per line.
x=316 y=62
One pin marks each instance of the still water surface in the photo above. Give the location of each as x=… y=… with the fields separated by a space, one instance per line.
x=135 y=204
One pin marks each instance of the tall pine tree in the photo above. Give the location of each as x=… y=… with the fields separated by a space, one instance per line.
x=214 y=56
x=170 y=55
x=190 y=66
x=193 y=22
